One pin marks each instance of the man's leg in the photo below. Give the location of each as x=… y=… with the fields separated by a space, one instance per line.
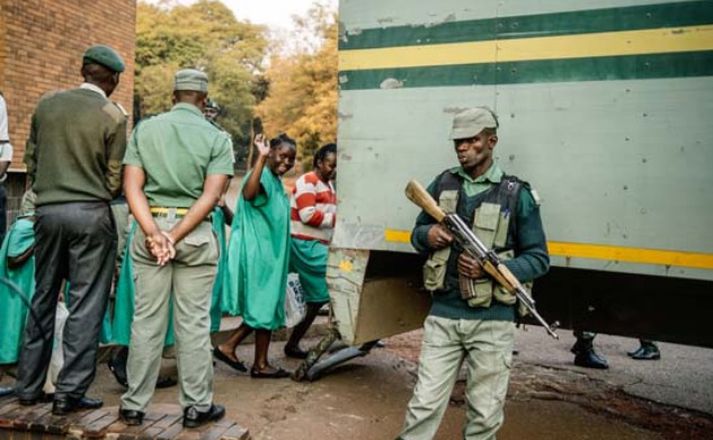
x=441 y=357
x=92 y=251
x=584 y=353
x=50 y=268
x=489 y=359
x=193 y=277
x=647 y=351
x=148 y=329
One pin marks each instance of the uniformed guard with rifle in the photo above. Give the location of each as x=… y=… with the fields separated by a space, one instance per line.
x=472 y=316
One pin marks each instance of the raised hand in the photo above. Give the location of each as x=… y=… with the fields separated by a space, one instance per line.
x=262 y=146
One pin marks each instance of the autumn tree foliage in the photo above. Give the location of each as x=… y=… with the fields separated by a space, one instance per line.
x=302 y=85
x=204 y=35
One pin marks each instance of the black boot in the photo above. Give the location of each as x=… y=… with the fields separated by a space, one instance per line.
x=590 y=359
x=648 y=351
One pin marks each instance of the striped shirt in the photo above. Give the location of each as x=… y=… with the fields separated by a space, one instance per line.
x=314 y=208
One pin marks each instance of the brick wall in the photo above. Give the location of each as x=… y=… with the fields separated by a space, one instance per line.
x=41 y=47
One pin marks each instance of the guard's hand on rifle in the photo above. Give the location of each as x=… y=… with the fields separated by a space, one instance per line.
x=469 y=266
x=439 y=237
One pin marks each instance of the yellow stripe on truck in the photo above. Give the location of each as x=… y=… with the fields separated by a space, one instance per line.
x=649 y=41
x=693 y=260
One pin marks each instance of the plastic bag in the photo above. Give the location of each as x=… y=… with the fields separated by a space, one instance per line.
x=57 y=359
x=295 y=308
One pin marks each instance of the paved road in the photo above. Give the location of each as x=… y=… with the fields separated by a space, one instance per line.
x=683 y=377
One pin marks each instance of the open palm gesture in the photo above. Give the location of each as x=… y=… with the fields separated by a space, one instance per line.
x=262 y=147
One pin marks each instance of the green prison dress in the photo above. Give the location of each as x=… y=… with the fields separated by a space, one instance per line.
x=124 y=303
x=258 y=255
x=220 y=275
x=309 y=259
x=13 y=311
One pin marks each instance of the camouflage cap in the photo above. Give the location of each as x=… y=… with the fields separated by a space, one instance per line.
x=105 y=56
x=191 y=79
x=472 y=121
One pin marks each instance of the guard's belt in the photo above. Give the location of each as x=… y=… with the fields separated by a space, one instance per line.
x=168 y=212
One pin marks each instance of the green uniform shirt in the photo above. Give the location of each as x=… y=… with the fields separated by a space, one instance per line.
x=473 y=187
x=77 y=139
x=177 y=150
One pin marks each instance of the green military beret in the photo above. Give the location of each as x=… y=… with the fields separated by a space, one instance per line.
x=104 y=55
x=472 y=121
x=191 y=79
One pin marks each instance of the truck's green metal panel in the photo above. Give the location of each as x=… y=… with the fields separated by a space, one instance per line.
x=358 y=15
x=617 y=162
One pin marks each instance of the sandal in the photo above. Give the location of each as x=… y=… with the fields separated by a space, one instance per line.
x=271 y=373
x=235 y=365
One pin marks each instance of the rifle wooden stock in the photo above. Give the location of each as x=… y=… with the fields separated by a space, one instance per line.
x=499 y=276
x=418 y=195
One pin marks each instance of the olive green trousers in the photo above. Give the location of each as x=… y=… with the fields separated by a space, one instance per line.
x=486 y=348
x=188 y=278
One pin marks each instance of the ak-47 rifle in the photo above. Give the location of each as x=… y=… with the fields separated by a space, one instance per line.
x=476 y=248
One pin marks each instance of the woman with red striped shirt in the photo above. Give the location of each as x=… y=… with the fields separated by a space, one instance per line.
x=312 y=218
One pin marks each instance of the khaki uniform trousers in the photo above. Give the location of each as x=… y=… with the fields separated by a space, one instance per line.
x=486 y=347
x=189 y=278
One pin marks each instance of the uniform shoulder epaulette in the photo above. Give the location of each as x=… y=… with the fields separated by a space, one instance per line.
x=216 y=125
x=115 y=111
x=121 y=107
x=533 y=192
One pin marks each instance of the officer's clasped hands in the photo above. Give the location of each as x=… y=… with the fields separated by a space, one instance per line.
x=161 y=246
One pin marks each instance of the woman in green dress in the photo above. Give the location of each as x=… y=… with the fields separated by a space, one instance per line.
x=258 y=255
x=17 y=264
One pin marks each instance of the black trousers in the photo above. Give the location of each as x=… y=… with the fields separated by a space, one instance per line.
x=74 y=242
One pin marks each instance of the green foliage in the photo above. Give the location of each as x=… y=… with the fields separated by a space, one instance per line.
x=302 y=92
x=207 y=36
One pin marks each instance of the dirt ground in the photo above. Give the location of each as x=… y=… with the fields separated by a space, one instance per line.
x=366 y=399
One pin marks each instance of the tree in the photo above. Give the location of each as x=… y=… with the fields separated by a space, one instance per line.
x=207 y=36
x=302 y=92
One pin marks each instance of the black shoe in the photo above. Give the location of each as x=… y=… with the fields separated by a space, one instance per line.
x=41 y=398
x=4 y=392
x=118 y=369
x=65 y=405
x=590 y=359
x=165 y=382
x=295 y=352
x=269 y=373
x=646 y=353
x=131 y=417
x=235 y=365
x=192 y=418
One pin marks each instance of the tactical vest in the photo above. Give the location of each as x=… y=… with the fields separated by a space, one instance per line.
x=494 y=222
